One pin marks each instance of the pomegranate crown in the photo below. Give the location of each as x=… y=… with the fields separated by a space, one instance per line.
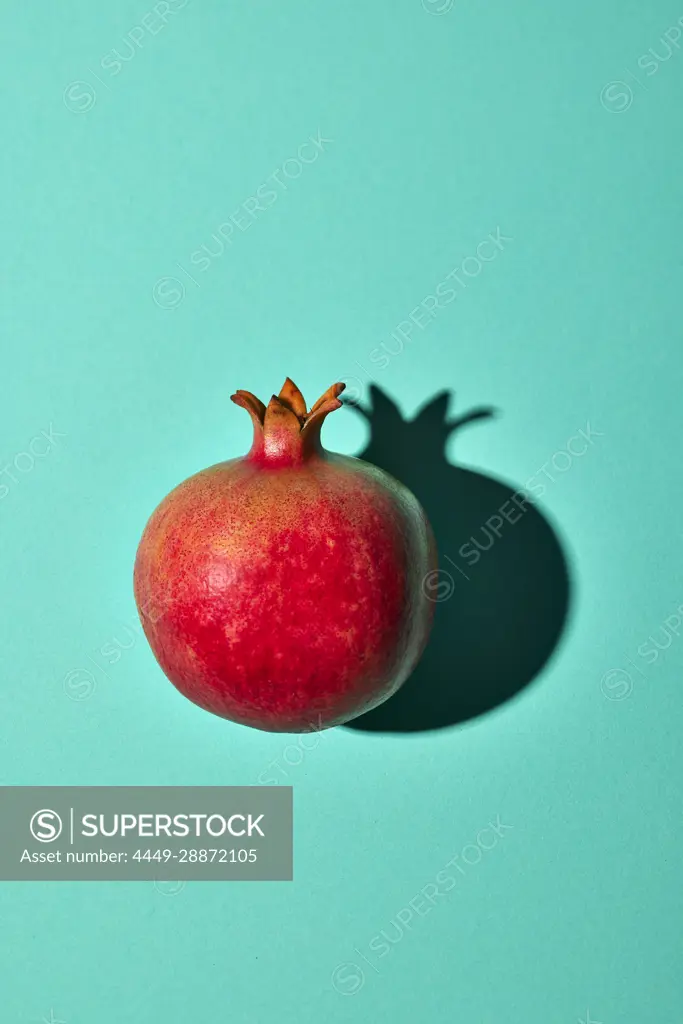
x=284 y=432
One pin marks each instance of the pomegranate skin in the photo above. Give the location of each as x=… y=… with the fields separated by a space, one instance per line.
x=284 y=590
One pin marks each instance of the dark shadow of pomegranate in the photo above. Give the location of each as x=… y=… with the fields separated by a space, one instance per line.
x=502 y=590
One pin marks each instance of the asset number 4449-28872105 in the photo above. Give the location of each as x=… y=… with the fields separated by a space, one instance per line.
x=198 y=856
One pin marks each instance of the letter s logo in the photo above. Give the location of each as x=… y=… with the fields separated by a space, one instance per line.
x=46 y=826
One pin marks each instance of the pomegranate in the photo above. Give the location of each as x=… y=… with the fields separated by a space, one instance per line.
x=284 y=590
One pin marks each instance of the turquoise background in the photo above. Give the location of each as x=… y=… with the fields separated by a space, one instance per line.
x=446 y=124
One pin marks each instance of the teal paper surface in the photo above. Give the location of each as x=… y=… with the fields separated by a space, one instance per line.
x=200 y=196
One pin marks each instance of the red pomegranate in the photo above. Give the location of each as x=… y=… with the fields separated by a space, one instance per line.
x=284 y=590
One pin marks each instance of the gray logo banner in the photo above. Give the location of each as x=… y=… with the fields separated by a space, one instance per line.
x=146 y=833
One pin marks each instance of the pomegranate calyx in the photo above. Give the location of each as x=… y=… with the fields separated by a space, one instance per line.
x=316 y=417
x=253 y=405
x=332 y=392
x=284 y=432
x=279 y=416
x=293 y=399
